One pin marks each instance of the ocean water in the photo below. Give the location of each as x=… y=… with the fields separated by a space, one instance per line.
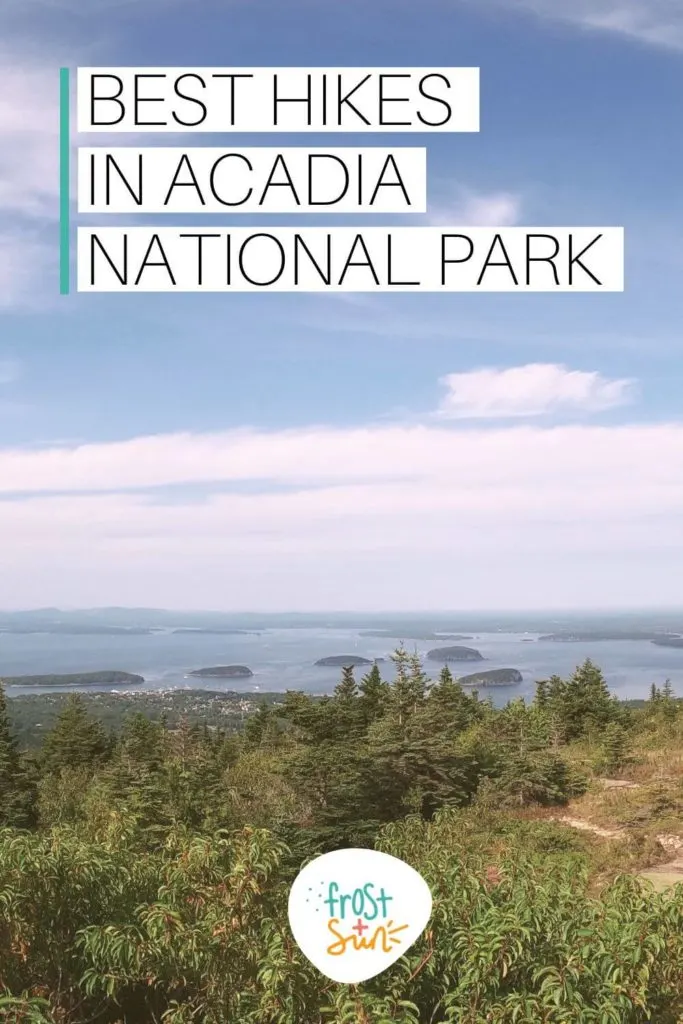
x=283 y=659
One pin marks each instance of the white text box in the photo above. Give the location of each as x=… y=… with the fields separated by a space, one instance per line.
x=434 y=259
x=261 y=179
x=257 y=99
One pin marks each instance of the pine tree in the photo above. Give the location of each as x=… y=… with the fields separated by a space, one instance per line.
x=614 y=750
x=77 y=740
x=448 y=708
x=409 y=688
x=373 y=694
x=16 y=792
x=345 y=712
x=589 y=705
x=541 y=698
x=552 y=706
x=257 y=724
x=669 y=703
x=346 y=691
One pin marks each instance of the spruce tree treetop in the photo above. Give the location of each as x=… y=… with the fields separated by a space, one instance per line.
x=77 y=740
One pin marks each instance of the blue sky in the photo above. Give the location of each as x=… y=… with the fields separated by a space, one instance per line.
x=358 y=452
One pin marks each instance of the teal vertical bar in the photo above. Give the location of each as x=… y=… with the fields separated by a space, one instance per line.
x=64 y=184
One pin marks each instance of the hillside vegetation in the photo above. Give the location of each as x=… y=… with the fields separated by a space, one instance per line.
x=144 y=873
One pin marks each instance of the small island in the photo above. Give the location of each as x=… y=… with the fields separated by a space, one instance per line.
x=343 y=661
x=454 y=654
x=108 y=678
x=494 y=677
x=223 y=672
x=669 y=641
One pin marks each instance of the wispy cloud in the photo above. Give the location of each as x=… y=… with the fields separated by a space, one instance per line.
x=531 y=390
x=468 y=207
x=386 y=516
x=655 y=22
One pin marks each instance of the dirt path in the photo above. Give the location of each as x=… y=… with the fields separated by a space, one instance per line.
x=586 y=826
x=662 y=876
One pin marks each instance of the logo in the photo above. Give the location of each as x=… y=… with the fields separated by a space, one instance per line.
x=353 y=913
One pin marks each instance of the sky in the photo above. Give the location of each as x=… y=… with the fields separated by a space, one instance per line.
x=357 y=452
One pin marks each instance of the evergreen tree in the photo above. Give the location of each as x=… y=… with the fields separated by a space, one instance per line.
x=614 y=750
x=542 y=697
x=77 y=740
x=257 y=725
x=551 y=705
x=409 y=688
x=346 y=691
x=589 y=705
x=373 y=697
x=16 y=790
x=448 y=708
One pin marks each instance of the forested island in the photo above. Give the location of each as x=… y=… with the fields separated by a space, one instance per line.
x=494 y=677
x=223 y=672
x=107 y=678
x=445 y=654
x=669 y=641
x=343 y=661
x=145 y=866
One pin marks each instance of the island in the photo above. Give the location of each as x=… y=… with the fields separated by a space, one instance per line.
x=58 y=629
x=590 y=636
x=669 y=641
x=454 y=654
x=343 y=661
x=108 y=678
x=217 y=631
x=397 y=634
x=223 y=672
x=494 y=677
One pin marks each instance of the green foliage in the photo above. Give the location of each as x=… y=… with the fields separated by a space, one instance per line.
x=148 y=879
x=17 y=793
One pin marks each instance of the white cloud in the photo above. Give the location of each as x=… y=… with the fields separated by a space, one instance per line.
x=29 y=130
x=390 y=516
x=656 y=22
x=29 y=175
x=530 y=390
x=493 y=209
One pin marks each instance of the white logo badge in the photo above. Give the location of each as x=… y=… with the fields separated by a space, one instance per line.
x=353 y=913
